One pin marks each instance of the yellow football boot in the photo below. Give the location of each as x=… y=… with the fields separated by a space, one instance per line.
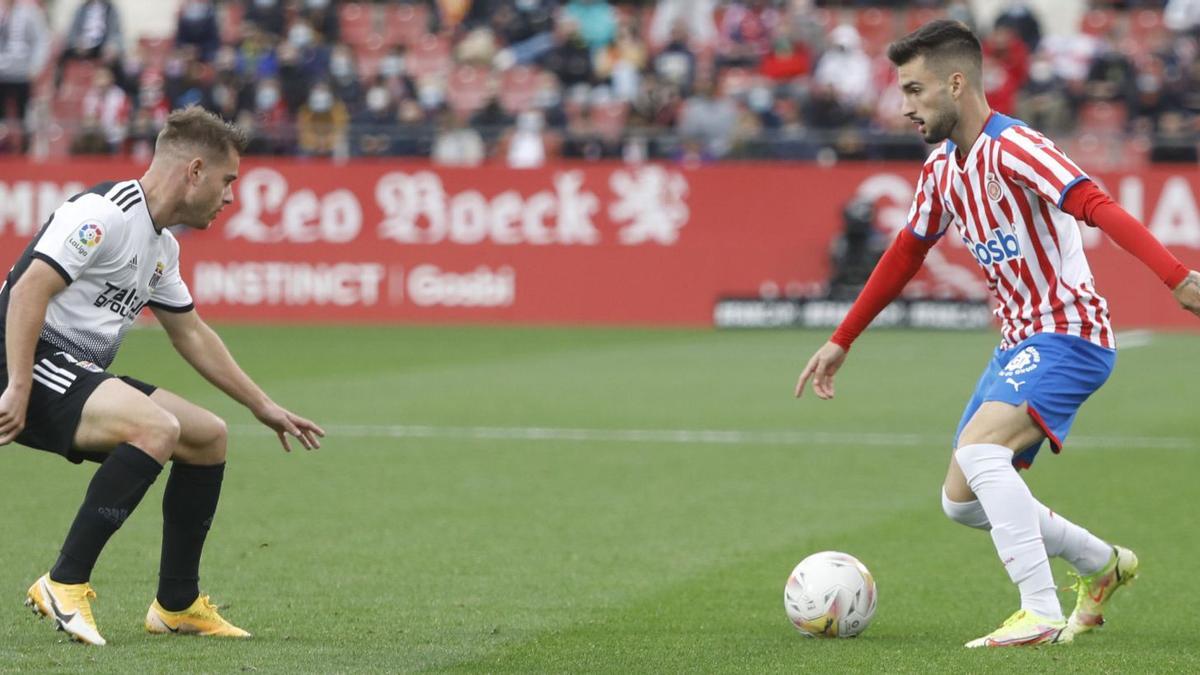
x=199 y=619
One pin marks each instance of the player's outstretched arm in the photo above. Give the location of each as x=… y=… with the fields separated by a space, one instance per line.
x=821 y=368
x=1188 y=293
x=201 y=347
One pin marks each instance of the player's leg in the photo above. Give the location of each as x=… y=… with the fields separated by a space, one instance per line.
x=81 y=412
x=189 y=505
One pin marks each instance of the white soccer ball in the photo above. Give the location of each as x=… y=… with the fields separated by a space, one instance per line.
x=830 y=594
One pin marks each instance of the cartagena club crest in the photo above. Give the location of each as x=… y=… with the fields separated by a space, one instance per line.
x=993 y=188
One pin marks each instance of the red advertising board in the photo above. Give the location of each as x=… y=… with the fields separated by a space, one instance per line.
x=570 y=243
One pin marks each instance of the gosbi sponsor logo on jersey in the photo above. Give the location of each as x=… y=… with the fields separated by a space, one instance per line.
x=996 y=249
x=87 y=238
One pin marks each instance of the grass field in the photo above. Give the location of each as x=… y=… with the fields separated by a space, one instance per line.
x=533 y=500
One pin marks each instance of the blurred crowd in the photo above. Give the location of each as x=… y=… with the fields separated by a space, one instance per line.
x=524 y=81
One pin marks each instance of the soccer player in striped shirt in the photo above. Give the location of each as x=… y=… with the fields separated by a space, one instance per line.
x=1014 y=199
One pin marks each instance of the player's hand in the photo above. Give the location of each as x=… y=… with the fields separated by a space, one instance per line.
x=1188 y=293
x=13 y=404
x=286 y=423
x=821 y=368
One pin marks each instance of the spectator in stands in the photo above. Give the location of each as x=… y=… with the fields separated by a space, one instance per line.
x=414 y=134
x=268 y=121
x=1111 y=75
x=268 y=15
x=597 y=22
x=109 y=106
x=24 y=48
x=787 y=61
x=622 y=62
x=1005 y=69
x=457 y=144
x=745 y=32
x=223 y=99
x=1175 y=141
x=1019 y=17
x=94 y=35
x=374 y=125
x=294 y=80
x=256 y=53
x=710 y=117
x=846 y=69
x=656 y=105
x=527 y=27
x=187 y=80
x=1043 y=102
x=570 y=59
x=528 y=145
x=343 y=78
x=476 y=48
x=491 y=120
x=197 y=26
x=1182 y=16
x=694 y=18
x=312 y=55
x=322 y=122
x=676 y=63
x=322 y=16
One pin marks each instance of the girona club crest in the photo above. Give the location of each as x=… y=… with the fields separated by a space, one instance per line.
x=993 y=188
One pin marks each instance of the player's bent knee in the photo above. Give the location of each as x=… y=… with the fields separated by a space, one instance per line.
x=969 y=513
x=156 y=433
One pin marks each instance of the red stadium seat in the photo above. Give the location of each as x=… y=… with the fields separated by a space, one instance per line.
x=1098 y=22
x=430 y=56
x=1145 y=25
x=518 y=87
x=405 y=24
x=919 y=16
x=877 y=28
x=357 y=22
x=368 y=56
x=468 y=89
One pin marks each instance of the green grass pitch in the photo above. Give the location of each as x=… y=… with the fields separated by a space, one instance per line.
x=543 y=500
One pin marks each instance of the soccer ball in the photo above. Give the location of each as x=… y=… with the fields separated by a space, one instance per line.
x=830 y=594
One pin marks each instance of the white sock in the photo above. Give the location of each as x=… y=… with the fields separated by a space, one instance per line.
x=1013 y=514
x=1086 y=552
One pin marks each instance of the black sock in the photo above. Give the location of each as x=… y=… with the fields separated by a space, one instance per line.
x=189 y=503
x=115 y=490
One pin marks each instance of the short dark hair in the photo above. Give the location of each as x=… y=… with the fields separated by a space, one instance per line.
x=941 y=40
x=194 y=126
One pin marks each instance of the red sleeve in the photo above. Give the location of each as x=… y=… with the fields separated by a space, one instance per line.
x=898 y=265
x=1087 y=202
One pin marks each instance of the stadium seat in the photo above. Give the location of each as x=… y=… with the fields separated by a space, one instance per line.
x=919 y=16
x=1098 y=22
x=518 y=87
x=1145 y=25
x=368 y=56
x=405 y=24
x=430 y=56
x=877 y=28
x=468 y=89
x=357 y=22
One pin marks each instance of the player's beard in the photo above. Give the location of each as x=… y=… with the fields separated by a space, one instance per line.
x=939 y=127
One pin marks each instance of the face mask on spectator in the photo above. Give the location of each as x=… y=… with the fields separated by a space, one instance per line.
x=430 y=96
x=265 y=4
x=316 y=4
x=300 y=35
x=174 y=67
x=320 y=101
x=547 y=98
x=759 y=99
x=340 y=67
x=391 y=66
x=222 y=96
x=526 y=5
x=266 y=98
x=377 y=99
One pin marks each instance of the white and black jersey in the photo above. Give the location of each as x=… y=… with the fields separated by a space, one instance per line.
x=114 y=261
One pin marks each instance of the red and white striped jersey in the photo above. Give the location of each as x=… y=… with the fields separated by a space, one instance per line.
x=1005 y=199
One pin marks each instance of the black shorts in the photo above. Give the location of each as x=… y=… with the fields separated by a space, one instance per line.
x=62 y=383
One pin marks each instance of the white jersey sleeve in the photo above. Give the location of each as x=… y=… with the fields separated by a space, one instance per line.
x=926 y=217
x=81 y=235
x=167 y=288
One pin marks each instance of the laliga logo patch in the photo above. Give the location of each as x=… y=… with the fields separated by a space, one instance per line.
x=993 y=188
x=1025 y=361
x=87 y=238
x=90 y=235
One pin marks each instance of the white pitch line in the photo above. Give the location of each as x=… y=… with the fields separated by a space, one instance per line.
x=702 y=436
x=1132 y=339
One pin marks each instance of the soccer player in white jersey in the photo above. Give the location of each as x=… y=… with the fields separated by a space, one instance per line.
x=1014 y=199
x=102 y=257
